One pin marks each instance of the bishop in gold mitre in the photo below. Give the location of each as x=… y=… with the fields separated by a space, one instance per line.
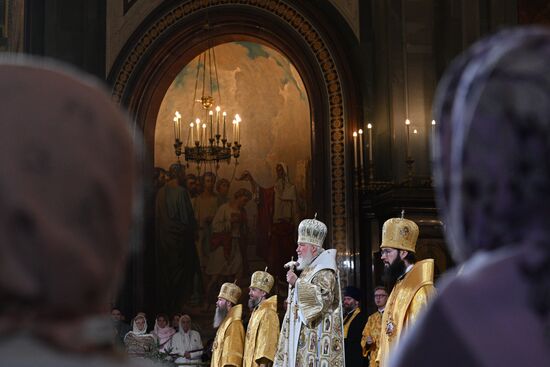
x=228 y=346
x=413 y=283
x=262 y=333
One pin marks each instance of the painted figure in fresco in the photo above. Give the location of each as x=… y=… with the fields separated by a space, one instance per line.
x=177 y=260
x=228 y=240
x=222 y=189
x=192 y=185
x=278 y=214
x=205 y=206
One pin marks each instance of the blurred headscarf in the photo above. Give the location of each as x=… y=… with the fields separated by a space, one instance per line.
x=67 y=168
x=491 y=158
x=493 y=114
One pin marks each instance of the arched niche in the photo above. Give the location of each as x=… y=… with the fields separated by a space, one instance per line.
x=174 y=34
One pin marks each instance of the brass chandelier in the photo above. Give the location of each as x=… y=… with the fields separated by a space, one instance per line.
x=208 y=139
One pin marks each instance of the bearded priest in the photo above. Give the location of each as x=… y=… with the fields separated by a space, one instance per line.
x=312 y=330
x=228 y=347
x=263 y=329
x=413 y=281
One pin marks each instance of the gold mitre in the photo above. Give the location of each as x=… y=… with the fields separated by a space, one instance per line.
x=230 y=292
x=399 y=233
x=312 y=231
x=262 y=280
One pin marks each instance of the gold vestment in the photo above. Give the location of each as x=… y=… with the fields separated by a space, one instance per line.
x=228 y=346
x=312 y=330
x=372 y=329
x=408 y=298
x=262 y=334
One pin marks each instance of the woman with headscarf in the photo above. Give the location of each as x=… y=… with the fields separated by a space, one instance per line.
x=67 y=178
x=163 y=332
x=138 y=342
x=493 y=188
x=186 y=345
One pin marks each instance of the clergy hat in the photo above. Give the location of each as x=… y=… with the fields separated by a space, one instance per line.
x=312 y=231
x=399 y=233
x=353 y=292
x=262 y=280
x=230 y=292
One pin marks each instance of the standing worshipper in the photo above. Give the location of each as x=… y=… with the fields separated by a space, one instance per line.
x=263 y=328
x=120 y=326
x=312 y=331
x=228 y=347
x=493 y=113
x=63 y=246
x=354 y=322
x=178 y=266
x=138 y=342
x=163 y=332
x=186 y=343
x=413 y=283
x=371 y=333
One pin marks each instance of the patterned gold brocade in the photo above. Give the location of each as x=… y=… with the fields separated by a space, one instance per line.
x=228 y=346
x=262 y=334
x=312 y=331
x=372 y=329
x=313 y=297
x=408 y=298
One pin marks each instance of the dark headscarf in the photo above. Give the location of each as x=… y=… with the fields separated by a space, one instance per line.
x=66 y=186
x=492 y=163
x=493 y=114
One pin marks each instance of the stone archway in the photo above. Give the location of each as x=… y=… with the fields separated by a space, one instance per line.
x=174 y=35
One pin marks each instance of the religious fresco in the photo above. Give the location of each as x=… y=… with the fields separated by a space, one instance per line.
x=247 y=211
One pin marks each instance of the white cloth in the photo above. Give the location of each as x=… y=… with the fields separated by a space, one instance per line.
x=183 y=342
x=217 y=263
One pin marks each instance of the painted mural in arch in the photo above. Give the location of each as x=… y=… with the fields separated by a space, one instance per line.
x=246 y=213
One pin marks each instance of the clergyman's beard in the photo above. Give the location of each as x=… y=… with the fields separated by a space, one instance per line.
x=348 y=308
x=253 y=302
x=303 y=262
x=393 y=271
x=219 y=316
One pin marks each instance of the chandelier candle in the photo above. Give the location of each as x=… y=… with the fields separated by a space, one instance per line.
x=408 y=124
x=361 y=148
x=218 y=121
x=198 y=125
x=224 y=115
x=238 y=120
x=211 y=123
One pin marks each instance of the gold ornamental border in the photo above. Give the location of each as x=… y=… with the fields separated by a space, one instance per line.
x=324 y=59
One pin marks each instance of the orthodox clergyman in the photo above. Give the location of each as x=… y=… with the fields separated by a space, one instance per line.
x=312 y=331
